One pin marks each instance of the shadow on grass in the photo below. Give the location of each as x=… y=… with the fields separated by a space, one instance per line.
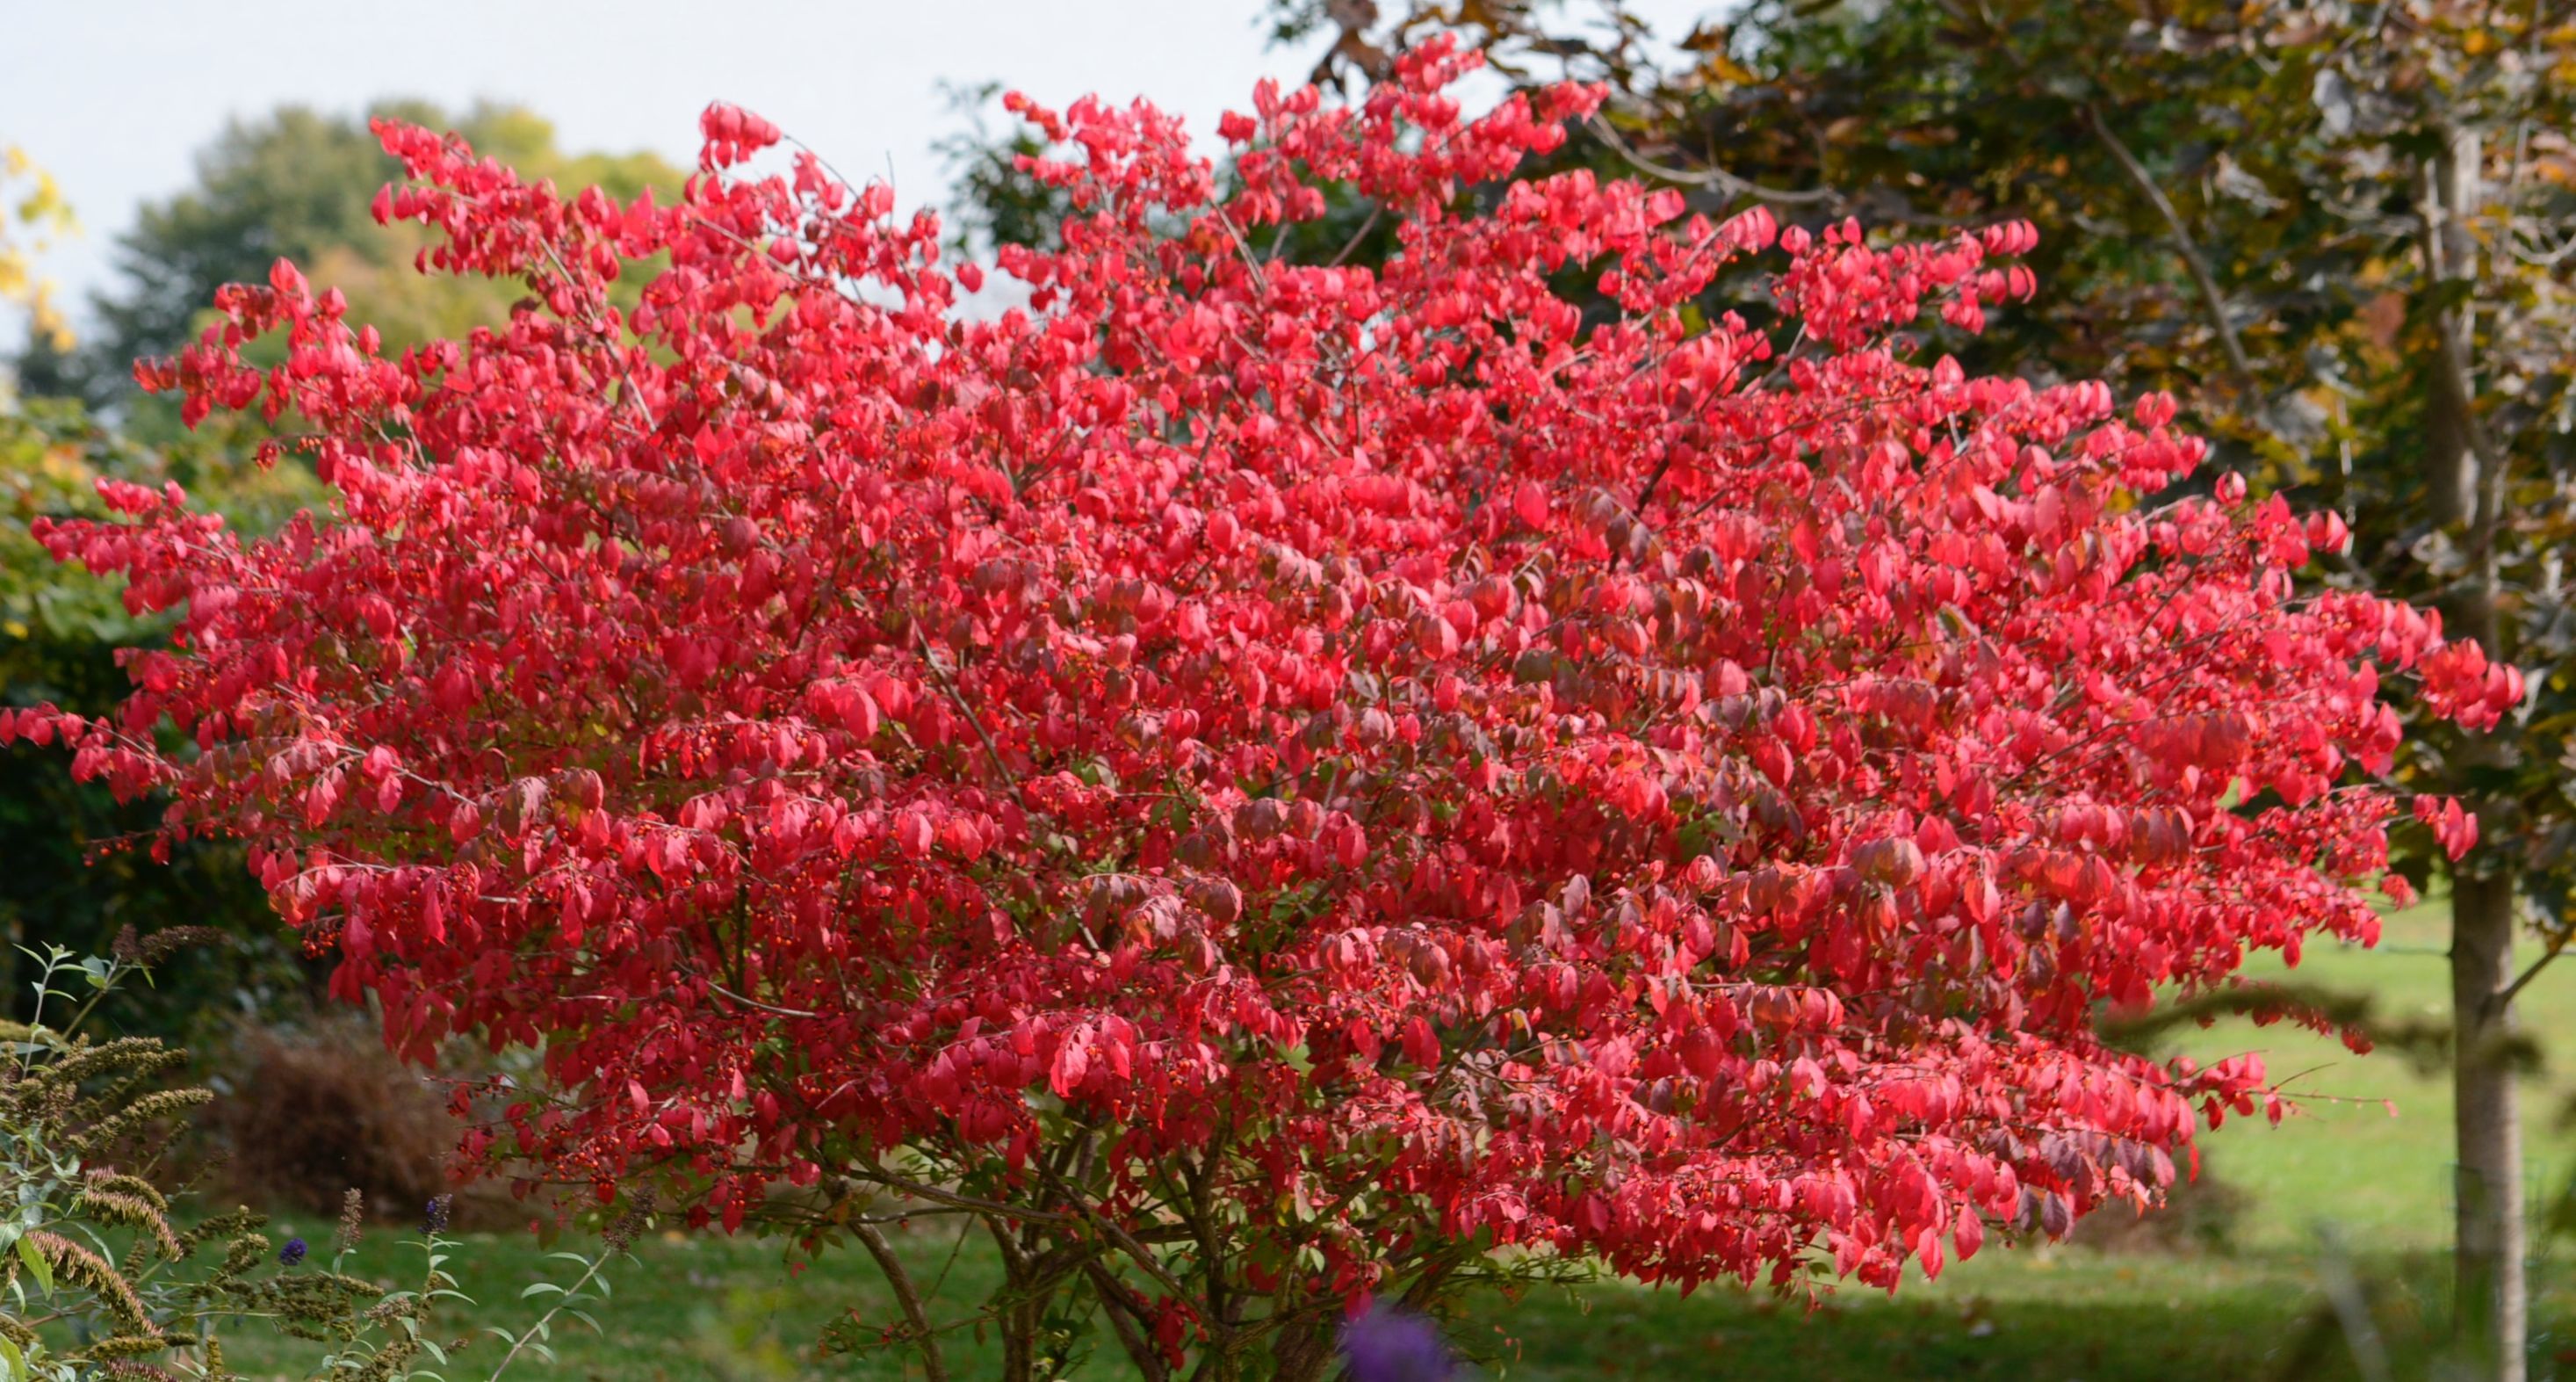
x=701 y=1306
x=2073 y=1316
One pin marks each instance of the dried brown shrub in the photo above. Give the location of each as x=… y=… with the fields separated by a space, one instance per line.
x=314 y=1111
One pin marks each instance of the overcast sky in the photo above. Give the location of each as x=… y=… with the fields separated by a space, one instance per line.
x=116 y=96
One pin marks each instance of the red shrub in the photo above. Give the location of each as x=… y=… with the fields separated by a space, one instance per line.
x=1275 y=776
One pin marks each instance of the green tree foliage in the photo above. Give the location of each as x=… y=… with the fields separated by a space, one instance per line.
x=297 y=184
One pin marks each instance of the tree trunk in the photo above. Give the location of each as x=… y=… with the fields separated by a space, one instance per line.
x=2464 y=483
x=1303 y=1353
x=2491 y=1305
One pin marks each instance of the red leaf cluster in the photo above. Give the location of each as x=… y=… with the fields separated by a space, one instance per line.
x=1412 y=758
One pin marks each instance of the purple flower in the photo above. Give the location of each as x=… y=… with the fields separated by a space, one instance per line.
x=435 y=1219
x=292 y=1253
x=1390 y=1345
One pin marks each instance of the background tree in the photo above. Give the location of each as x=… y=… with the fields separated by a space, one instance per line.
x=32 y=212
x=297 y=183
x=1258 y=783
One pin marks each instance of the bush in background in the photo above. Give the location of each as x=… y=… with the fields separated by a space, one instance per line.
x=314 y=1110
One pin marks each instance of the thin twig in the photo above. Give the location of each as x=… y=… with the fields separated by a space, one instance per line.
x=930 y=660
x=1356 y=237
x=1219 y=1332
x=720 y=989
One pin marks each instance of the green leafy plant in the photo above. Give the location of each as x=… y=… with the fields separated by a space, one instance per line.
x=102 y=1275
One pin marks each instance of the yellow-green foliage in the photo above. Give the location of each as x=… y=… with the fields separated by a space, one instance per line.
x=32 y=212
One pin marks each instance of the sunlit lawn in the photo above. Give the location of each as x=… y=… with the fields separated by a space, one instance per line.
x=705 y=1307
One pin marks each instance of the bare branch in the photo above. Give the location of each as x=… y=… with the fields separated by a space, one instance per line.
x=2557 y=947
x=1129 y=1315
x=990 y=1208
x=1357 y=236
x=932 y=1365
x=2184 y=245
x=958 y=698
x=1717 y=178
x=722 y=991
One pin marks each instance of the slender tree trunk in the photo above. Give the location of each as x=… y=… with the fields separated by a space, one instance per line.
x=2491 y=1302
x=2490 y=1313
x=2464 y=484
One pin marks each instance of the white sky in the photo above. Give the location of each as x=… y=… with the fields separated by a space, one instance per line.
x=116 y=96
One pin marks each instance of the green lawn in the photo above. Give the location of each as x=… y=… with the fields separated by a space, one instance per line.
x=707 y=1307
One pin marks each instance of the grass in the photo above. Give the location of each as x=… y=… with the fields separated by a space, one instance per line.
x=2341 y=1168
